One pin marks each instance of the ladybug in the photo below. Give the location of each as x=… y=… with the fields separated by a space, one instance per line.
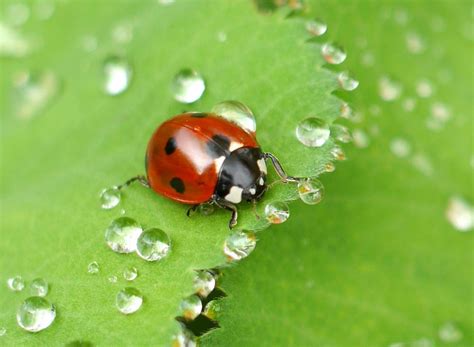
x=202 y=158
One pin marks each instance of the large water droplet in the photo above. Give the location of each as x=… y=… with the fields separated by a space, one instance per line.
x=93 y=268
x=153 y=244
x=316 y=27
x=188 y=86
x=130 y=273
x=17 y=283
x=277 y=212
x=333 y=53
x=204 y=283
x=460 y=214
x=191 y=307
x=35 y=314
x=400 y=147
x=238 y=113
x=239 y=244
x=449 y=332
x=313 y=132
x=12 y=44
x=128 y=300
x=122 y=235
x=347 y=82
x=110 y=197
x=311 y=191
x=389 y=90
x=212 y=309
x=39 y=287
x=341 y=133
x=117 y=75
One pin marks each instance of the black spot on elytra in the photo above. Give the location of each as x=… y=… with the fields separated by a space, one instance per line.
x=218 y=146
x=177 y=184
x=170 y=145
x=198 y=114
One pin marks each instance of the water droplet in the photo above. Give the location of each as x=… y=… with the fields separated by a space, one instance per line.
x=329 y=167
x=128 y=300
x=414 y=43
x=389 y=90
x=204 y=283
x=188 y=86
x=422 y=164
x=39 y=287
x=360 y=138
x=221 y=36
x=112 y=279
x=333 y=54
x=122 y=234
x=238 y=113
x=44 y=9
x=17 y=14
x=338 y=153
x=3 y=331
x=130 y=273
x=277 y=212
x=449 y=332
x=212 y=309
x=33 y=92
x=117 y=75
x=341 y=133
x=316 y=27
x=346 y=111
x=313 y=132
x=409 y=104
x=239 y=244
x=191 y=307
x=93 y=268
x=311 y=191
x=123 y=33
x=12 y=44
x=89 y=43
x=153 y=244
x=440 y=114
x=183 y=339
x=400 y=147
x=35 y=314
x=346 y=82
x=460 y=214
x=206 y=209
x=110 y=197
x=17 y=284
x=367 y=59
x=424 y=88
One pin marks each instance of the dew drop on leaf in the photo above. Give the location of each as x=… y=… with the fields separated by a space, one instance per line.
x=414 y=43
x=347 y=82
x=313 y=132
x=409 y=104
x=449 y=332
x=112 y=279
x=400 y=147
x=389 y=90
x=191 y=307
x=460 y=214
x=110 y=197
x=333 y=53
x=338 y=153
x=316 y=27
x=122 y=234
x=346 y=111
x=130 y=273
x=128 y=300
x=39 y=287
x=341 y=133
x=311 y=191
x=35 y=314
x=117 y=75
x=239 y=244
x=93 y=268
x=187 y=86
x=238 y=113
x=183 y=339
x=204 y=283
x=17 y=283
x=212 y=309
x=153 y=244
x=277 y=212
x=360 y=138
x=424 y=88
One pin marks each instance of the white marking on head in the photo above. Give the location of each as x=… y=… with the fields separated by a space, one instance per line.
x=218 y=162
x=261 y=181
x=234 y=145
x=235 y=195
x=252 y=191
x=262 y=166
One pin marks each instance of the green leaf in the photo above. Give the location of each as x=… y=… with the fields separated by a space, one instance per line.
x=377 y=262
x=57 y=156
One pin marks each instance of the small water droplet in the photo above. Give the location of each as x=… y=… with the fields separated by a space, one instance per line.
x=17 y=283
x=313 y=132
x=3 y=331
x=346 y=111
x=341 y=133
x=191 y=307
x=188 y=86
x=360 y=138
x=128 y=300
x=333 y=53
x=122 y=211
x=346 y=82
x=239 y=244
x=389 y=90
x=338 y=153
x=122 y=33
x=12 y=43
x=89 y=43
x=153 y=244
x=449 y=332
x=368 y=59
x=440 y=114
x=329 y=167
x=277 y=212
x=110 y=197
x=212 y=309
x=316 y=27
x=130 y=273
x=206 y=209
x=39 y=287
x=422 y=164
x=112 y=279
x=400 y=147
x=409 y=104
x=44 y=9
x=414 y=43
x=424 y=88
x=204 y=283
x=93 y=268
x=117 y=75
x=460 y=214
x=183 y=339
x=17 y=14
x=122 y=234
x=238 y=113
x=311 y=191
x=35 y=314
x=221 y=36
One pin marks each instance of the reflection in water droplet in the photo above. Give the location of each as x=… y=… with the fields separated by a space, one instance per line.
x=316 y=27
x=341 y=133
x=39 y=287
x=188 y=86
x=35 y=314
x=204 y=283
x=123 y=33
x=360 y=138
x=128 y=300
x=93 y=268
x=414 y=43
x=239 y=244
x=313 y=132
x=206 y=209
x=112 y=279
x=460 y=214
x=12 y=44
x=424 y=89
x=338 y=153
x=130 y=273
x=117 y=75
x=238 y=113
x=346 y=82
x=122 y=234
x=17 y=14
x=3 y=331
x=311 y=191
x=333 y=54
x=110 y=197
x=409 y=104
x=191 y=307
x=183 y=339
x=277 y=212
x=33 y=92
x=400 y=147
x=449 y=332
x=17 y=283
x=153 y=244
x=389 y=90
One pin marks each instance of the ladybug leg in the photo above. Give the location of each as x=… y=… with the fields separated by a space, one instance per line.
x=279 y=169
x=192 y=209
x=230 y=207
x=140 y=178
x=254 y=208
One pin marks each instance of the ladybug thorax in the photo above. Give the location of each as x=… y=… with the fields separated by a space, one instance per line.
x=242 y=176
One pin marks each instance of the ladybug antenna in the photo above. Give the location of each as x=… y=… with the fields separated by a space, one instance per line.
x=140 y=178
